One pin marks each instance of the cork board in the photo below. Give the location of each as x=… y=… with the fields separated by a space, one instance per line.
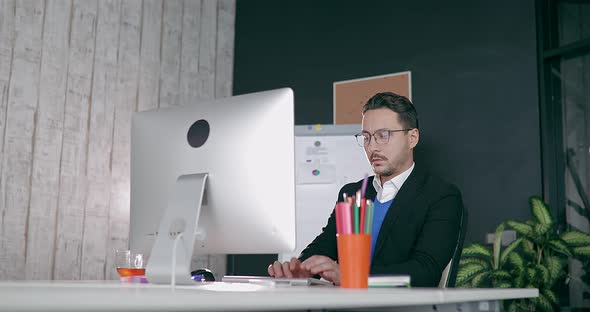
x=351 y=95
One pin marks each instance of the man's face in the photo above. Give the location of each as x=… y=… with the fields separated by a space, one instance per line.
x=394 y=157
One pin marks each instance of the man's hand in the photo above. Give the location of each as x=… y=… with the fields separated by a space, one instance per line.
x=324 y=266
x=288 y=269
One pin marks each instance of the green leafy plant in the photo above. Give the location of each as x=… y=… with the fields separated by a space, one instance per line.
x=536 y=259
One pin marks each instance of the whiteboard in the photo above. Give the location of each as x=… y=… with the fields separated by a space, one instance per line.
x=326 y=158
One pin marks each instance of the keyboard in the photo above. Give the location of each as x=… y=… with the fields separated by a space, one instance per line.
x=275 y=281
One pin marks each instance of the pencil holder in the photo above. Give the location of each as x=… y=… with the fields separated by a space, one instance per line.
x=354 y=258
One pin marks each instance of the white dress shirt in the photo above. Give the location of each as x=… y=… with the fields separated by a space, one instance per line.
x=388 y=191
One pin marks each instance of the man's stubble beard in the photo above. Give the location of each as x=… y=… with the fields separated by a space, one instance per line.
x=385 y=171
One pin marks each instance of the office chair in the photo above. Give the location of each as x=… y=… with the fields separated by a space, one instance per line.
x=449 y=275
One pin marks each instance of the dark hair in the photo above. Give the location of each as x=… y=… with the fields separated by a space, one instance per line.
x=400 y=104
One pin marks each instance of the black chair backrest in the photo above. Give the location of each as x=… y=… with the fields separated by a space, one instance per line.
x=458 y=248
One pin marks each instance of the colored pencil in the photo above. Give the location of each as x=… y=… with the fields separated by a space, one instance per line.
x=370 y=216
x=347 y=228
x=363 y=215
x=356 y=219
x=338 y=219
x=364 y=186
x=357 y=213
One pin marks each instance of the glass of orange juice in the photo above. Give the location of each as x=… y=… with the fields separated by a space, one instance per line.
x=129 y=264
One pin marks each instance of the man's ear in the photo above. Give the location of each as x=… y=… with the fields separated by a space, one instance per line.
x=414 y=137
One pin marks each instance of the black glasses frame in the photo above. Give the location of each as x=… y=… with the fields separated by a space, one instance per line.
x=363 y=141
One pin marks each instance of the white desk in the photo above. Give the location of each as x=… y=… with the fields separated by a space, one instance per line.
x=114 y=296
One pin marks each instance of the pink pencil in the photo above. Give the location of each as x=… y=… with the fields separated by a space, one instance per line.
x=338 y=219
x=346 y=213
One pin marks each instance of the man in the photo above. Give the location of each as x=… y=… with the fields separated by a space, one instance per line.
x=416 y=215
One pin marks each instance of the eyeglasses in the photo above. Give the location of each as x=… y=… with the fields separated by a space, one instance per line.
x=381 y=136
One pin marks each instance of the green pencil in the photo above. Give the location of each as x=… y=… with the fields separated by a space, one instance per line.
x=370 y=217
x=356 y=219
x=367 y=217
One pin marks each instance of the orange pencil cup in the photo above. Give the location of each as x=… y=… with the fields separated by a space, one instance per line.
x=354 y=258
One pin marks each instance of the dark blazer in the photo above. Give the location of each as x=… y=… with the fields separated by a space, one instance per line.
x=419 y=232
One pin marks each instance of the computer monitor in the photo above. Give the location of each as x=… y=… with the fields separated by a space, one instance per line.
x=245 y=146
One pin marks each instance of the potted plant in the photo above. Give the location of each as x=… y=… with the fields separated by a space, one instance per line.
x=536 y=259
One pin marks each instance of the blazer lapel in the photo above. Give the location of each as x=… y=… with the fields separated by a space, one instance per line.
x=402 y=201
x=370 y=191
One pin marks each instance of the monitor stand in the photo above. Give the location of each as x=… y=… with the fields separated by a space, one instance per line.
x=170 y=258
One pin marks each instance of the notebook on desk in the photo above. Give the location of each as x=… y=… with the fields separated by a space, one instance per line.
x=275 y=281
x=386 y=281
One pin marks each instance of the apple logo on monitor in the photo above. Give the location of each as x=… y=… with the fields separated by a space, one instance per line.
x=198 y=133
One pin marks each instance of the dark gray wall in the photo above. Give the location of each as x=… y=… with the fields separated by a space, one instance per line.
x=474 y=82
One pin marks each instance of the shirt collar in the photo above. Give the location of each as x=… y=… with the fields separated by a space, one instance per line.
x=389 y=189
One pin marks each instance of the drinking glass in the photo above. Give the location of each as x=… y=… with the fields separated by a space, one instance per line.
x=129 y=264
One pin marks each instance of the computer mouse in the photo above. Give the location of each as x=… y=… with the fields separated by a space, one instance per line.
x=203 y=275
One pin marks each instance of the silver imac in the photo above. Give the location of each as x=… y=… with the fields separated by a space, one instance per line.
x=235 y=157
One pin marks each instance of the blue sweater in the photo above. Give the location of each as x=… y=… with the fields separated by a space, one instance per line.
x=379 y=212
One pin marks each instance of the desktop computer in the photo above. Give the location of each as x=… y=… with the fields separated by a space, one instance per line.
x=219 y=172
